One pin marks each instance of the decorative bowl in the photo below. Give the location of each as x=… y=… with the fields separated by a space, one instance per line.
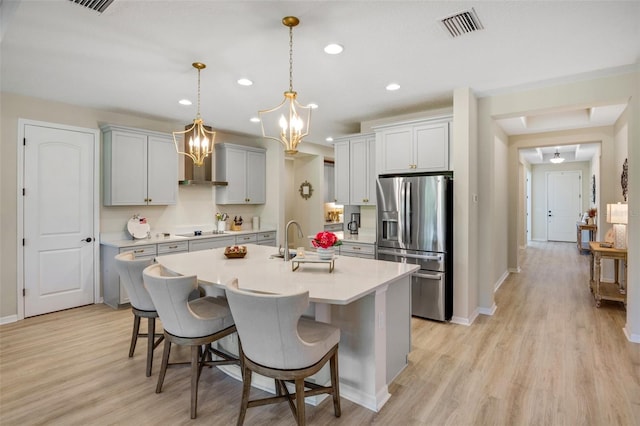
x=235 y=252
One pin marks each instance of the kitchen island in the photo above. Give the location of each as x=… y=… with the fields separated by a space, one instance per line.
x=369 y=300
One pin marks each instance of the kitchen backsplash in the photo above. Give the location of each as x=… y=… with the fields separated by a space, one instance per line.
x=195 y=207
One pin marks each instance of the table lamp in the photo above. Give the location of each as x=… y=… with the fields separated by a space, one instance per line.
x=617 y=214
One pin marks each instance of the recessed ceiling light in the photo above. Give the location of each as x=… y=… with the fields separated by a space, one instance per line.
x=333 y=49
x=185 y=102
x=392 y=86
x=313 y=106
x=254 y=119
x=329 y=139
x=245 y=82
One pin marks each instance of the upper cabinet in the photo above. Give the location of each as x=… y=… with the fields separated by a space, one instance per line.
x=329 y=183
x=244 y=168
x=354 y=170
x=420 y=146
x=140 y=167
x=341 y=170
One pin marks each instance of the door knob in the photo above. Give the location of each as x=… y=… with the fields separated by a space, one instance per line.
x=88 y=239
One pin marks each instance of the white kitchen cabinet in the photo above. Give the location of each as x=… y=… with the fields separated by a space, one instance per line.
x=244 y=168
x=355 y=170
x=329 y=183
x=341 y=171
x=267 y=238
x=362 y=177
x=140 y=167
x=334 y=227
x=209 y=243
x=246 y=239
x=421 y=146
x=356 y=249
x=114 y=293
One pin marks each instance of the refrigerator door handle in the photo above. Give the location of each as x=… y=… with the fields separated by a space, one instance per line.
x=428 y=276
x=407 y=212
x=437 y=258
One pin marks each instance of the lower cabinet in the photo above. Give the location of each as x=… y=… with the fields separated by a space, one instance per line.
x=334 y=227
x=353 y=249
x=267 y=238
x=114 y=293
x=209 y=243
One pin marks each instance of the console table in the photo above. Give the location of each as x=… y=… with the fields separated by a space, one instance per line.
x=603 y=290
x=581 y=226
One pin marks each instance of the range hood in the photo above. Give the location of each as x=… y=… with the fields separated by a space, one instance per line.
x=202 y=175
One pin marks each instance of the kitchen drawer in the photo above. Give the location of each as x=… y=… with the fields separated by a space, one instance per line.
x=209 y=243
x=141 y=251
x=358 y=250
x=246 y=239
x=333 y=227
x=266 y=236
x=173 y=247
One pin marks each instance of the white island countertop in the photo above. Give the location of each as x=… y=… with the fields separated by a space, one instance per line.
x=351 y=279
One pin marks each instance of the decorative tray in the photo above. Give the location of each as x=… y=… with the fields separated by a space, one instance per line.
x=296 y=261
x=235 y=252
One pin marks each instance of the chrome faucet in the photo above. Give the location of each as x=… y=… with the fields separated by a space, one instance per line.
x=286 y=238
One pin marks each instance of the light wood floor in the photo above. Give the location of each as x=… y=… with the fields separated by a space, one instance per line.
x=547 y=357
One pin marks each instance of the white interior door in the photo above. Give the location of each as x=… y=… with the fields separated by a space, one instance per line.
x=563 y=205
x=58 y=218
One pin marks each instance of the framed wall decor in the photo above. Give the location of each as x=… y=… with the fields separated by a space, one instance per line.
x=306 y=190
x=593 y=189
x=624 y=178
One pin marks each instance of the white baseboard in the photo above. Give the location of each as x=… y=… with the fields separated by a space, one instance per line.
x=9 y=319
x=633 y=338
x=488 y=311
x=465 y=321
x=514 y=270
x=500 y=281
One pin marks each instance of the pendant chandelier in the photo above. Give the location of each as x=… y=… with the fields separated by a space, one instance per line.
x=198 y=138
x=287 y=123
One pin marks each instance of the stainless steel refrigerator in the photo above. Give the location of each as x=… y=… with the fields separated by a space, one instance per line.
x=415 y=225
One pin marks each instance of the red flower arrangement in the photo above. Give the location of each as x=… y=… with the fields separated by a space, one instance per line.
x=325 y=240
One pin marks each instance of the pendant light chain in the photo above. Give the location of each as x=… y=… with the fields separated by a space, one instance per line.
x=198 y=112
x=291 y=59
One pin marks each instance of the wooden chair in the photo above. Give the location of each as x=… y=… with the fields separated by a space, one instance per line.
x=194 y=323
x=130 y=271
x=277 y=342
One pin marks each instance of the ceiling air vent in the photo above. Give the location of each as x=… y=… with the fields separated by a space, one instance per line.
x=462 y=23
x=97 y=5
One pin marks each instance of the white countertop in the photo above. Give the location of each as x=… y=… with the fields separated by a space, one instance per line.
x=121 y=240
x=351 y=279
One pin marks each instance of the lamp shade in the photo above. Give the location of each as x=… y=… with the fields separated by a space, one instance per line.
x=617 y=213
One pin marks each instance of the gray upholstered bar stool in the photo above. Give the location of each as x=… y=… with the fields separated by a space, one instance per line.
x=277 y=342
x=195 y=323
x=130 y=271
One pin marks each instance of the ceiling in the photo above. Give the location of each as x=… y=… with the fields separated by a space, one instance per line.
x=136 y=56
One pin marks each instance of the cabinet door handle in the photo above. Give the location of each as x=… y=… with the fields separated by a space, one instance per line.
x=150 y=200
x=139 y=251
x=173 y=247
